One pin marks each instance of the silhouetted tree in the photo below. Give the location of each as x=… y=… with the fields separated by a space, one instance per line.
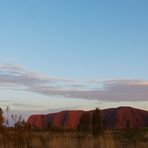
x=104 y=124
x=7 y=120
x=1 y=118
x=85 y=122
x=97 y=123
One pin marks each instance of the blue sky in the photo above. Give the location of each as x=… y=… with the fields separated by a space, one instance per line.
x=100 y=41
x=76 y=39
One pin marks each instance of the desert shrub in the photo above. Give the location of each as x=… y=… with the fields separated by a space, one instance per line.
x=131 y=137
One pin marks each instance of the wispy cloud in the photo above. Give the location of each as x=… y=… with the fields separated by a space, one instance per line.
x=14 y=76
x=25 y=105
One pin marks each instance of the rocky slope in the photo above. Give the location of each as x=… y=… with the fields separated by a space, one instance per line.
x=115 y=118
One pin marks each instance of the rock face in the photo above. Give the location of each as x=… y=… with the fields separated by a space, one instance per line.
x=118 y=117
x=115 y=118
x=36 y=121
x=64 y=119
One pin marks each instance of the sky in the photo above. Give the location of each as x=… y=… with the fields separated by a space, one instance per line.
x=73 y=54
